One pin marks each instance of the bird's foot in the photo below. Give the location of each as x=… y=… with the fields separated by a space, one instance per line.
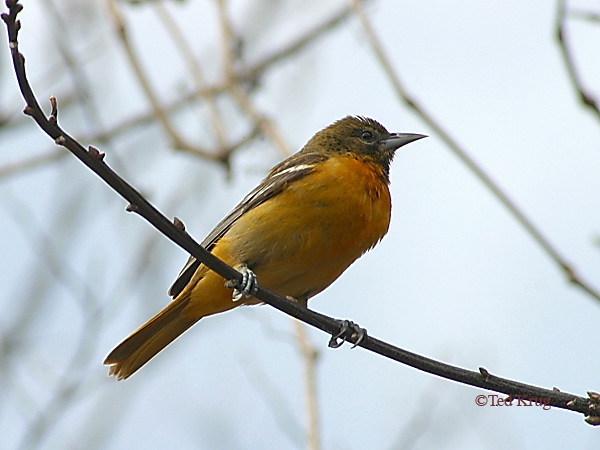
x=357 y=336
x=246 y=287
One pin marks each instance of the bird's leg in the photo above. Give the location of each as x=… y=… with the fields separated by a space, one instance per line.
x=246 y=287
x=357 y=336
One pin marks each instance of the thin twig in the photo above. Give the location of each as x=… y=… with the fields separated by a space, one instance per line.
x=588 y=99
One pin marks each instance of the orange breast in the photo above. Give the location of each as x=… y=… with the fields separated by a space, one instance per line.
x=302 y=239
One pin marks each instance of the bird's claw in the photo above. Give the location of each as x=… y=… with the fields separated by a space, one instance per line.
x=357 y=336
x=246 y=287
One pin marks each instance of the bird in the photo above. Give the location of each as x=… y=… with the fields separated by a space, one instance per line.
x=309 y=219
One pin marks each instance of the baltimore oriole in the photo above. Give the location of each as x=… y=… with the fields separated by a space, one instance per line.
x=312 y=216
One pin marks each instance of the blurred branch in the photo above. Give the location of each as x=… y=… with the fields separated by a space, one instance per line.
x=31 y=310
x=243 y=76
x=159 y=113
x=588 y=99
x=81 y=84
x=69 y=387
x=421 y=418
x=235 y=80
x=261 y=121
x=196 y=73
x=302 y=41
x=94 y=160
x=31 y=162
x=460 y=152
x=249 y=75
x=277 y=399
x=309 y=358
x=63 y=272
x=584 y=15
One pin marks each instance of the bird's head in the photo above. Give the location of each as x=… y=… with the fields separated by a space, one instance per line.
x=362 y=137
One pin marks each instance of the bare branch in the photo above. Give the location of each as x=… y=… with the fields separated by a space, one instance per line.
x=585 y=96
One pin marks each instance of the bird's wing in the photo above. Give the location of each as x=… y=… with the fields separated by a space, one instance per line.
x=293 y=168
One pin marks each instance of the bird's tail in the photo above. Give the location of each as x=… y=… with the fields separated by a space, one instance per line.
x=144 y=343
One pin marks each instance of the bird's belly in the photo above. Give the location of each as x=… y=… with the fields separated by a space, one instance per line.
x=300 y=241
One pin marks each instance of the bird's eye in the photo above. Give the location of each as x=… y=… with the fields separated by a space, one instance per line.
x=366 y=135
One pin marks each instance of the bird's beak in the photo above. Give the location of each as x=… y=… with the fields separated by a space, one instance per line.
x=397 y=140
